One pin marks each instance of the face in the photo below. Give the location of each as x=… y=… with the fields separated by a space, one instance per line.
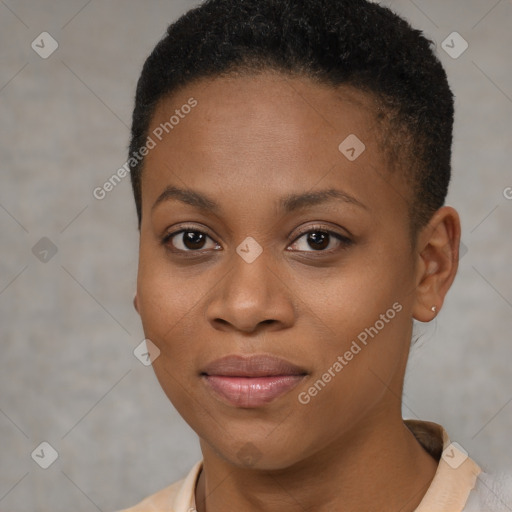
x=244 y=252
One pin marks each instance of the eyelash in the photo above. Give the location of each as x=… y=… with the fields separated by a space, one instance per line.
x=344 y=241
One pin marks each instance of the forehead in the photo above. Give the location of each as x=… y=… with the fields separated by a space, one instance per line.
x=269 y=132
x=274 y=101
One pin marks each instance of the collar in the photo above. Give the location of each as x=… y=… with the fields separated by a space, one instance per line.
x=456 y=473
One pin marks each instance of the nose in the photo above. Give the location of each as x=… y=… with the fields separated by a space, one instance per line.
x=252 y=296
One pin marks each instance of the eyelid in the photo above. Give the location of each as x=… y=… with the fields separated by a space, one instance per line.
x=168 y=235
x=324 y=228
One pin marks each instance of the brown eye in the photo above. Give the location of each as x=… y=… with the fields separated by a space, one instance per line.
x=318 y=240
x=321 y=240
x=187 y=240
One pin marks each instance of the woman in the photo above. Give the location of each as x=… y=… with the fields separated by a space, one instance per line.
x=290 y=162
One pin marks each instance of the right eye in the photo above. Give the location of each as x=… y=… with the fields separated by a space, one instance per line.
x=189 y=240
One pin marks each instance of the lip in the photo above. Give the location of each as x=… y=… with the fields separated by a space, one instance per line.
x=251 y=381
x=260 y=365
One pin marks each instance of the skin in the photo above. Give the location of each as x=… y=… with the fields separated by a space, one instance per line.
x=250 y=141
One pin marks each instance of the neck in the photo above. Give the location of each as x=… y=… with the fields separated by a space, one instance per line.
x=382 y=468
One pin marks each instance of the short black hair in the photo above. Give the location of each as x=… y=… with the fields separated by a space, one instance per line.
x=335 y=42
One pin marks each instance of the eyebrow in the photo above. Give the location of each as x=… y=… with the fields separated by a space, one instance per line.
x=288 y=203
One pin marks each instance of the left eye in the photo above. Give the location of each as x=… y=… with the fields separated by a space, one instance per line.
x=320 y=240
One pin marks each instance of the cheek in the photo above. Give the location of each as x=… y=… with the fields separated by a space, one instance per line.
x=164 y=300
x=166 y=310
x=354 y=373
x=362 y=315
x=351 y=297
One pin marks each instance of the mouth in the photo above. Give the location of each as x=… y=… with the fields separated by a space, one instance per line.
x=250 y=382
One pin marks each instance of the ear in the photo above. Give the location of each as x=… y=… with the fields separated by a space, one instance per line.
x=437 y=262
x=136 y=303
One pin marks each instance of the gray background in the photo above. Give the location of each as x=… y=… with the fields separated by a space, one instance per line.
x=68 y=375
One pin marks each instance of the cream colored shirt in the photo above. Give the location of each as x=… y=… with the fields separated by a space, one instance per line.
x=449 y=491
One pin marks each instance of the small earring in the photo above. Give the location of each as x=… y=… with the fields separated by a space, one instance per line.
x=434 y=309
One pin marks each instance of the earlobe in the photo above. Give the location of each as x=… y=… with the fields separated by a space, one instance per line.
x=136 y=303
x=438 y=246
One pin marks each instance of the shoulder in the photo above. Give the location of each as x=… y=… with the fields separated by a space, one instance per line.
x=161 y=500
x=492 y=493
